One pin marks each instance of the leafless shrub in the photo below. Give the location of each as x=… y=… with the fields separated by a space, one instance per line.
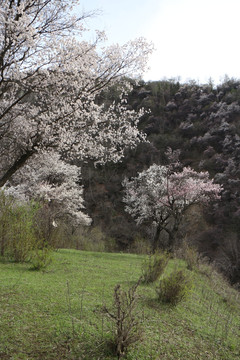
x=191 y=256
x=125 y=319
x=154 y=266
x=229 y=259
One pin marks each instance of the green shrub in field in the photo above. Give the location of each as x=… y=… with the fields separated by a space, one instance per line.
x=6 y=204
x=154 y=266
x=175 y=287
x=21 y=238
x=41 y=258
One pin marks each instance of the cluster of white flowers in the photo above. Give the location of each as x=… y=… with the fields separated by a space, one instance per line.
x=49 y=179
x=48 y=86
x=158 y=193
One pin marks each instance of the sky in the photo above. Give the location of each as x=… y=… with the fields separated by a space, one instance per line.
x=193 y=39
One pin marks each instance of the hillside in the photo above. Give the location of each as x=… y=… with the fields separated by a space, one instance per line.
x=203 y=121
x=57 y=313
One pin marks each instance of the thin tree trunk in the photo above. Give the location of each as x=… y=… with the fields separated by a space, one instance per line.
x=155 y=243
x=171 y=240
x=3 y=240
x=172 y=234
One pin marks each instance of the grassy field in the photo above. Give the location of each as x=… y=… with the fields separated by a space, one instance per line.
x=57 y=313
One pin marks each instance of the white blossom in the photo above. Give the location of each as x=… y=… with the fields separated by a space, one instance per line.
x=49 y=80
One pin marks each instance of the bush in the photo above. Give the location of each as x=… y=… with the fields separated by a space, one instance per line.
x=86 y=238
x=229 y=259
x=191 y=256
x=41 y=258
x=6 y=204
x=154 y=267
x=21 y=238
x=44 y=228
x=174 y=288
x=125 y=318
x=139 y=246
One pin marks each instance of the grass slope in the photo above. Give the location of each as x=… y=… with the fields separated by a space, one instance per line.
x=57 y=314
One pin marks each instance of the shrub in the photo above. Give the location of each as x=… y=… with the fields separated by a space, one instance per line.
x=139 y=246
x=6 y=204
x=85 y=238
x=174 y=288
x=44 y=228
x=154 y=266
x=41 y=258
x=124 y=316
x=229 y=259
x=21 y=238
x=191 y=256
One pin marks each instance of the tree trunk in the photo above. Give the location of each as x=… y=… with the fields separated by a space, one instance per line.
x=155 y=242
x=2 y=244
x=171 y=240
x=17 y=165
x=3 y=237
x=172 y=233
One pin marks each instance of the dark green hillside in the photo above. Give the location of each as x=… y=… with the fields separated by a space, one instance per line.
x=204 y=122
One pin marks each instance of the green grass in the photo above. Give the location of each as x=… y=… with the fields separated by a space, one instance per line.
x=57 y=313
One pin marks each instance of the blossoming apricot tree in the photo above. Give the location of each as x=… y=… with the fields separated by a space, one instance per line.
x=160 y=196
x=49 y=80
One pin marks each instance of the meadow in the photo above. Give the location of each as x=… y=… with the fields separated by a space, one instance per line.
x=57 y=313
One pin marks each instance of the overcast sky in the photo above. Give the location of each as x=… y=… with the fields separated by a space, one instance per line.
x=194 y=39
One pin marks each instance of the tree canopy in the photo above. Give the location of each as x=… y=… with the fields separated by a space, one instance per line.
x=50 y=78
x=160 y=196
